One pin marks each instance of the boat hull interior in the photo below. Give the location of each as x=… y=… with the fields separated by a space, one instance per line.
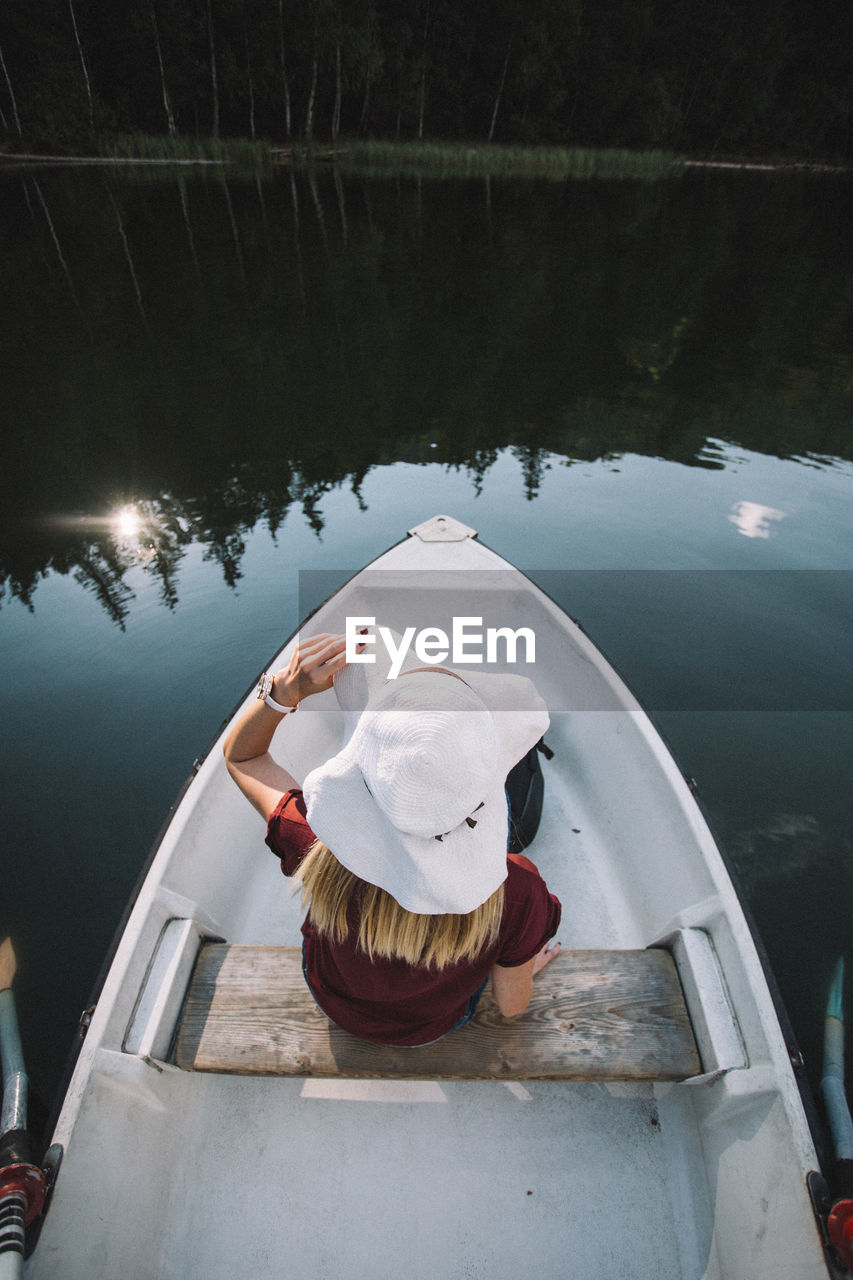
x=173 y=1174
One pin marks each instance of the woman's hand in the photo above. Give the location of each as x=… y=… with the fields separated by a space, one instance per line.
x=513 y=987
x=313 y=666
x=545 y=956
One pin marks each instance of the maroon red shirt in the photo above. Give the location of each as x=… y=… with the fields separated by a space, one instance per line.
x=392 y=1002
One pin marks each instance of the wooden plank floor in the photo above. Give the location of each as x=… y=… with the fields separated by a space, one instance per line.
x=595 y=1015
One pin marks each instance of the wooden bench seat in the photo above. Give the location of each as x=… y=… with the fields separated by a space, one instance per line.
x=595 y=1015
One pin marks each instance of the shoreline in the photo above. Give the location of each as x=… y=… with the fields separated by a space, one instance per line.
x=280 y=156
x=770 y=166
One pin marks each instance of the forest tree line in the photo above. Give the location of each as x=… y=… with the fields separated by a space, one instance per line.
x=744 y=77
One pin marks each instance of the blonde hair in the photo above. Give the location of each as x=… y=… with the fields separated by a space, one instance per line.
x=386 y=931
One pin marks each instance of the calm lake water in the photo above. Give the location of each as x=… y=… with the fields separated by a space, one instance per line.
x=211 y=383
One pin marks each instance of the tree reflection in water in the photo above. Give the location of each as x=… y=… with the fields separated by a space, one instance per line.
x=218 y=350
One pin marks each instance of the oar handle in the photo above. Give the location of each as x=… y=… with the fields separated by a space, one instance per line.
x=13 y=1213
x=22 y=1185
x=14 y=1112
x=22 y=1191
x=832 y=1081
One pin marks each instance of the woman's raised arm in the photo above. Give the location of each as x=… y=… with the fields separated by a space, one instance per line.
x=312 y=668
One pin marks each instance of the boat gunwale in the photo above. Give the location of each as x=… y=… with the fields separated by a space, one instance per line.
x=74 y=1050
x=814 y=1121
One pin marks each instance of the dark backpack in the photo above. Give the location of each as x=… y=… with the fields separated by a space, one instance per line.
x=525 y=788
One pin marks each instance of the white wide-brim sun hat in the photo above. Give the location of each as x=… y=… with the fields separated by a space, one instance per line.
x=424 y=756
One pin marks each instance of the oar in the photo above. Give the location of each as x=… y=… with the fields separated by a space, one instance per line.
x=840 y=1220
x=22 y=1184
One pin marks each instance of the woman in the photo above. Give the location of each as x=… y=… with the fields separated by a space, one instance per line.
x=400 y=841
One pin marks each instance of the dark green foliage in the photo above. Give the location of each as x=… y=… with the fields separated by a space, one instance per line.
x=737 y=76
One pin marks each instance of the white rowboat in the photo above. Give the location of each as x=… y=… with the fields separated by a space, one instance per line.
x=177 y=1173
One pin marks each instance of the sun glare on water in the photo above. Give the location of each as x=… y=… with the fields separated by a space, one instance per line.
x=127 y=522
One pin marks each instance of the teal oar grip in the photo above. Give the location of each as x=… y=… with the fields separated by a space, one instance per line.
x=14 y=1110
x=835 y=1002
x=832 y=1082
x=21 y=1184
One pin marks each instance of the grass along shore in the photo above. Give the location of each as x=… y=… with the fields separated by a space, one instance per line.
x=367 y=156
x=420 y=159
x=485 y=160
